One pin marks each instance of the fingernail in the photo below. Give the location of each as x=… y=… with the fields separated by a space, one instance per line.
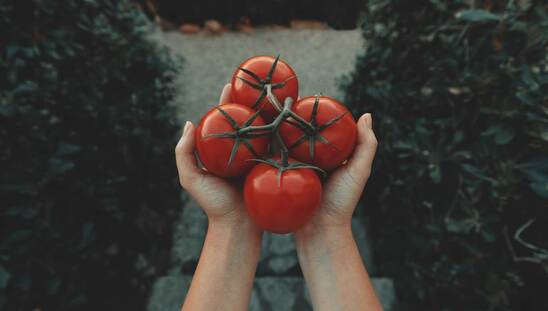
x=363 y=121
x=368 y=120
x=186 y=127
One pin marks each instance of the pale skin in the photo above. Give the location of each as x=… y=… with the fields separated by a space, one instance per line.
x=333 y=269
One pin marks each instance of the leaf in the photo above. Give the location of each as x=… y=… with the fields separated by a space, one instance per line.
x=19 y=235
x=400 y=144
x=11 y=50
x=5 y=276
x=66 y=149
x=78 y=300
x=525 y=97
x=488 y=235
x=25 y=87
x=477 y=16
x=53 y=286
x=7 y=110
x=458 y=138
x=23 y=282
x=544 y=134
x=504 y=136
x=60 y=166
x=478 y=173
x=88 y=233
x=457 y=226
x=540 y=188
x=435 y=173
x=528 y=79
x=23 y=211
x=490 y=130
x=536 y=172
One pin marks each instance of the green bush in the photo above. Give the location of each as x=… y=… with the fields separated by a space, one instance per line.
x=87 y=179
x=458 y=201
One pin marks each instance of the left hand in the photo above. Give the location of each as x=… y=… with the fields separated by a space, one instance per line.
x=343 y=188
x=220 y=199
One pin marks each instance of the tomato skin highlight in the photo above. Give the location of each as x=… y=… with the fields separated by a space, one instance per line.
x=214 y=152
x=285 y=207
x=341 y=134
x=244 y=94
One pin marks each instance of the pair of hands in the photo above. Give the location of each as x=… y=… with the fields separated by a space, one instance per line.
x=328 y=255
x=223 y=202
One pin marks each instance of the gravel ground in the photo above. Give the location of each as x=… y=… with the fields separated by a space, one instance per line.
x=320 y=58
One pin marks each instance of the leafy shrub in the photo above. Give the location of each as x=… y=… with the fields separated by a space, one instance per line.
x=338 y=13
x=458 y=199
x=88 y=185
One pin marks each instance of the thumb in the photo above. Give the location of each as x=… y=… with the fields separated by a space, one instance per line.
x=184 y=156
x=359 y=165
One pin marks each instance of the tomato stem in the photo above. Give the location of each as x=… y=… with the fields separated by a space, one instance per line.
x=284 y=153
x=272 y=99
x=315 y=134
x=240 y=135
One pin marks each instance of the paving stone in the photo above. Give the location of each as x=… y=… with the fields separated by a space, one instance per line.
x=189 y=235
x=278 y=254
x=384 y=287
x=282 y=264
x=279 y=293
x=364 y=244
x=168 y=293
x=280 y=244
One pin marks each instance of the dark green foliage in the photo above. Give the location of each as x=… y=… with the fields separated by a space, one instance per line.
x=338 y=13
x=87 y=180
x=459 y=97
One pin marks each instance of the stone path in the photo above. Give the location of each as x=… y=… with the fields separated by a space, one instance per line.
x=320 y=58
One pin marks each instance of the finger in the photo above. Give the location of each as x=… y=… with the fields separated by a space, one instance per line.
x=184 y=156
x=225 y=95
x=364 y=153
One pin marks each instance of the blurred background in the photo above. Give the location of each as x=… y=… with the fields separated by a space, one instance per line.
x=93 y=95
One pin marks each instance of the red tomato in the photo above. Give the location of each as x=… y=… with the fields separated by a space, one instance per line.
x=214 y=152
x=285 y=206
x=245 y=94
x=332 y=143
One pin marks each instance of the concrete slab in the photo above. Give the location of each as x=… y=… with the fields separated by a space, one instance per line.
x=319 y=57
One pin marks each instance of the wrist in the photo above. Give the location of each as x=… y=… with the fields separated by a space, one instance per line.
x=234 y=223
x=315 y=239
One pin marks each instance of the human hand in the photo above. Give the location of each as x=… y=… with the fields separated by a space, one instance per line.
x=343 y=188
x=220 y=199
x=331 y=263
x=232 y=245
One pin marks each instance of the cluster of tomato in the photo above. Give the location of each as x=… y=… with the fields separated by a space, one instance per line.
x=280 y=147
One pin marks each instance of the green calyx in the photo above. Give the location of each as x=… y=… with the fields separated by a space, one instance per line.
x=262 y=84
x=283 y=166
x=236 y=136
x=313 y=133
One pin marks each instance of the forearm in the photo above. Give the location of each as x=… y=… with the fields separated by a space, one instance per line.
x=333 y=269
x=225 y=271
